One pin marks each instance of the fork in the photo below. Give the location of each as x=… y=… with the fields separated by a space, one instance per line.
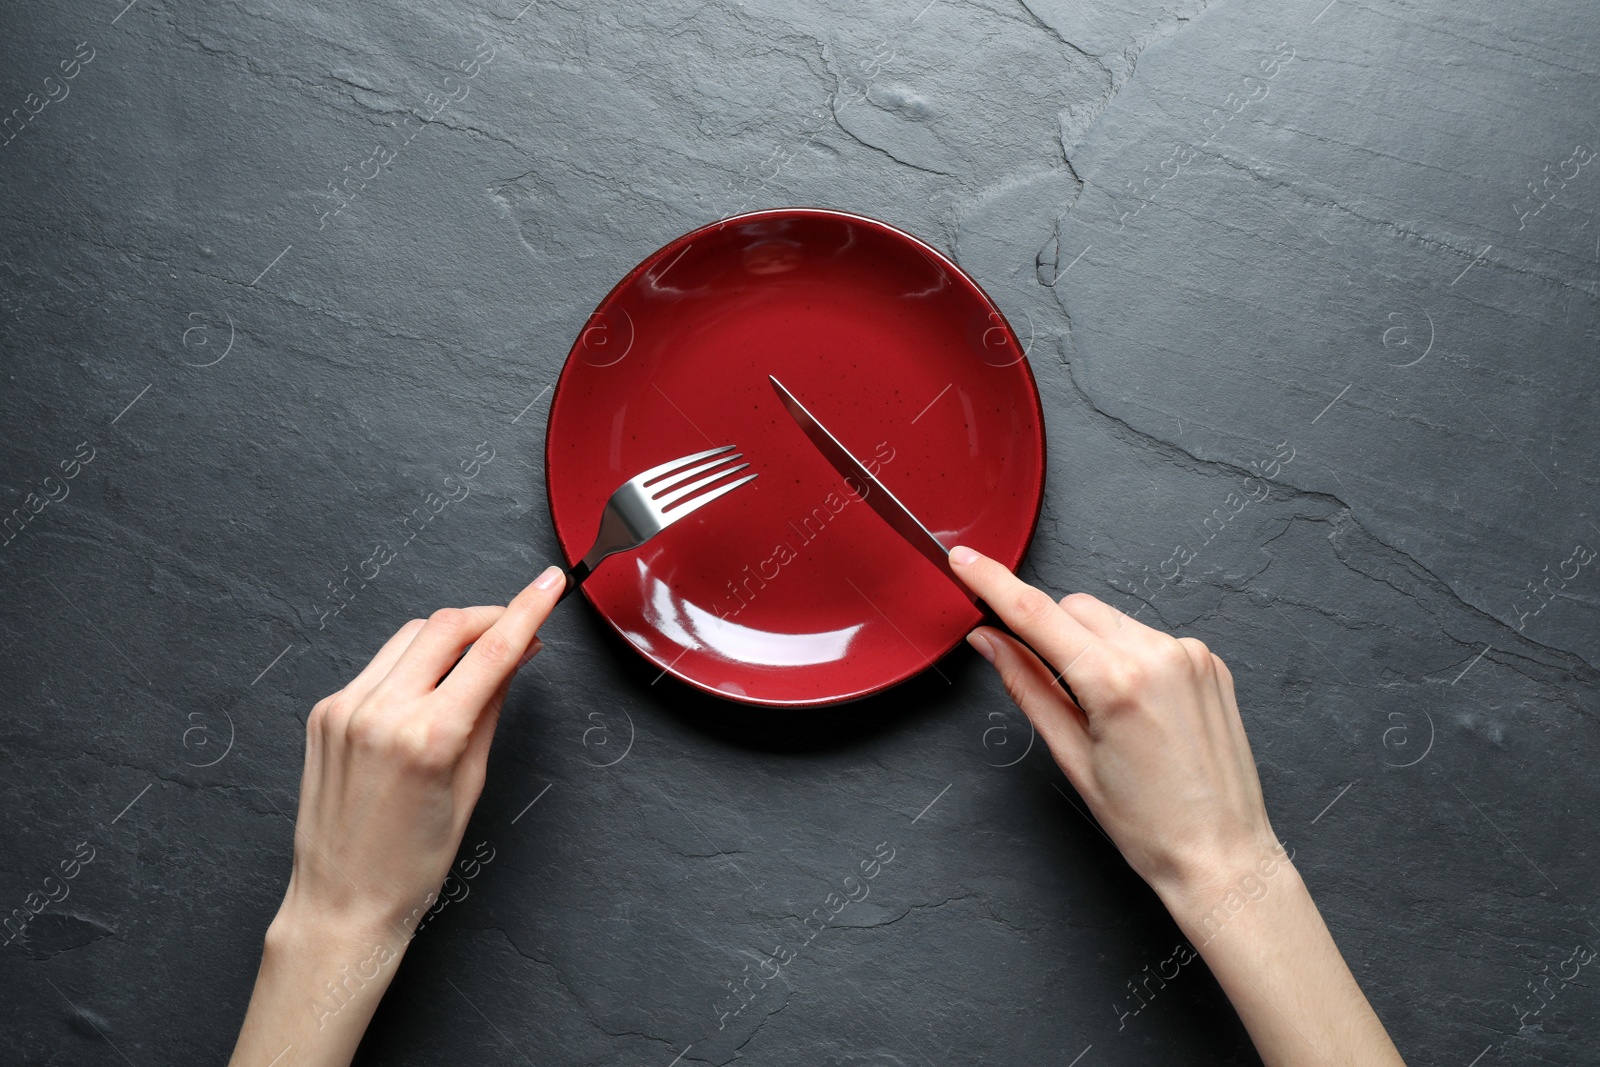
x=648 y=503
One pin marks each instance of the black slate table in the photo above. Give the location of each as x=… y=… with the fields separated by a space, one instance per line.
x=1310 y=292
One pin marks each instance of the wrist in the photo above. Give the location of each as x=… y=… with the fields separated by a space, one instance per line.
x=305 y=921
x=329 y=972
x=317 y=988
x=1208 y=897
x=315 y=944
x=312 y=939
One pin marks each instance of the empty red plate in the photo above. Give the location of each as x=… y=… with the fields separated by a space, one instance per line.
x=790 y=591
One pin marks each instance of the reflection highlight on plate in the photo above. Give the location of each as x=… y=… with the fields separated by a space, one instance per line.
x=692 y=626
x=764 y=648
x=772 y=257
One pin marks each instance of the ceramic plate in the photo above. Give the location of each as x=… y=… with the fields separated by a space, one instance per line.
x=790 y=591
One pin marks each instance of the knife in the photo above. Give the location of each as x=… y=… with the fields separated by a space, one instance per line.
x=866 y=486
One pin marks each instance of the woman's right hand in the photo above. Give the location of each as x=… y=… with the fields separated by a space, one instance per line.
x=1159 y=754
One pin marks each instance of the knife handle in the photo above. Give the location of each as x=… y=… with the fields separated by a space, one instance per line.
x=991 y=619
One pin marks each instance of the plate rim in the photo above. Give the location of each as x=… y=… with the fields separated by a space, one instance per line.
x=651 y=259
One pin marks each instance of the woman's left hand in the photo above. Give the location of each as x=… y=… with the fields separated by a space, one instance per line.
x=394 y=765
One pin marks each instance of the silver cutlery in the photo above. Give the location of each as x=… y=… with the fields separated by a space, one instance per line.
x=866 y=486
x=649 y=502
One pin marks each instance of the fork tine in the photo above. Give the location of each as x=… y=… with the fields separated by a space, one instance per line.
x=677 y=478
x=666 y=499
x=700 y=501
x=658 y=472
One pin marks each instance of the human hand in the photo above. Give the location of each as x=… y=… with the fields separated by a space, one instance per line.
x=394 y=765
x=395 y=762
x=1159 y=754
x=1158 y=751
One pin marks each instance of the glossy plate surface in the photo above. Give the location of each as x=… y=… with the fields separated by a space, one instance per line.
x=790 y=591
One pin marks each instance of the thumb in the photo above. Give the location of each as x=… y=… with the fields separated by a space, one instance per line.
x=1032 y=686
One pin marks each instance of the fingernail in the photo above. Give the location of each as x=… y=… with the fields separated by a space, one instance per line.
x=533 y=650
x=982 y=644
x=962 y=555
x=551 y=578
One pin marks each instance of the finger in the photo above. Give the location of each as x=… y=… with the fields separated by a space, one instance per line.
x=383 y=662
x=1224 y=677
x=1230 y=702
x=1031 y=685
x=496 y=655
x=312 y=770
x=482 y=735
x=438 y=645
x=1199 y=655
x=1098 y=617
x=1036 y=618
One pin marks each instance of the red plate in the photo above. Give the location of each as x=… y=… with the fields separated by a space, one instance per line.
x=790 y=591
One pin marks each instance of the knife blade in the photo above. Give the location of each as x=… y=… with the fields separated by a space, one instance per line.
x=899 y=517
x=867 y=487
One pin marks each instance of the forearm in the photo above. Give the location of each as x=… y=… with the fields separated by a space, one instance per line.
x=1278 y=964
x=315 y=992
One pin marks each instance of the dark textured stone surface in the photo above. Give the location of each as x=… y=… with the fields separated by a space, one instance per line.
x=1344 y=285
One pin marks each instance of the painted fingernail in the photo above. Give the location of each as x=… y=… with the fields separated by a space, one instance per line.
x=982 y=644
x=551 y=578
x=962 y=555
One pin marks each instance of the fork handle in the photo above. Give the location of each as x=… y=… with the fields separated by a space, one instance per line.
x=575 y=576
